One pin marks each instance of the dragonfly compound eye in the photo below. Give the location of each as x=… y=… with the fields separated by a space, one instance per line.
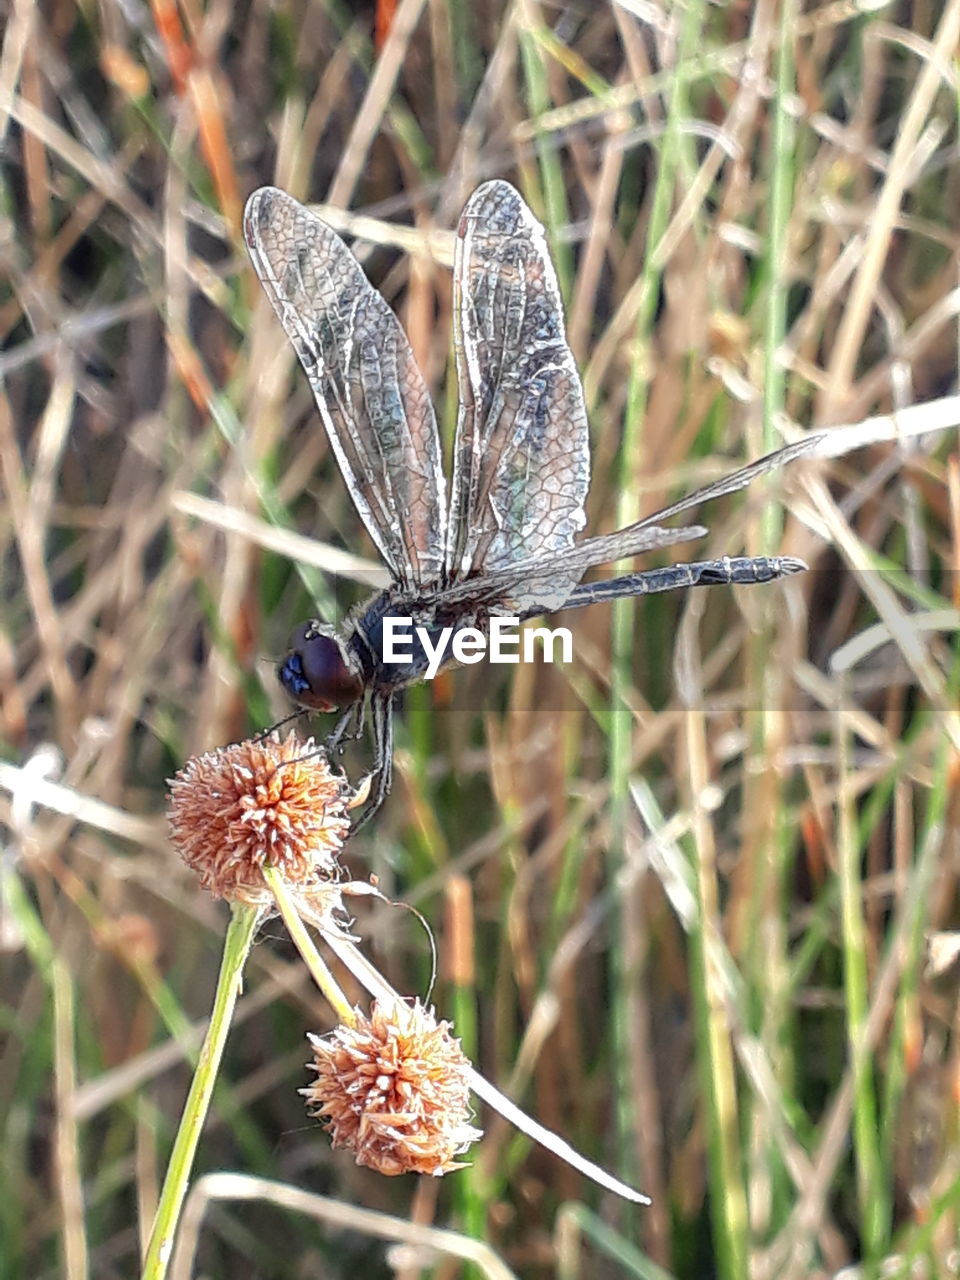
x=316 y=671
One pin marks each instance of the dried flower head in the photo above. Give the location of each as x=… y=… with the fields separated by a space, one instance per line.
x=394 y=1089
x=264 y=801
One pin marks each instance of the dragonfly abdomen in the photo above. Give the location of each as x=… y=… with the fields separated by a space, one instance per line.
x=735 y=570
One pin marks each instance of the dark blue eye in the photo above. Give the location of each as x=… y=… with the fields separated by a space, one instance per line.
x=315 y=671
x=291 y=675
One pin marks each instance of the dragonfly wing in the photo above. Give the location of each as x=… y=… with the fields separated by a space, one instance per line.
x=647 y=534
x=371 y=395
x=507 y=587
x=521 y=464
x=726 y=484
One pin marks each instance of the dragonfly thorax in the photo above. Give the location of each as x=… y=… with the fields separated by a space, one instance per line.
x=318 y=671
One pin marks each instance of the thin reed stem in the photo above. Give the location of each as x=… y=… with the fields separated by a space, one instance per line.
x=236 y=948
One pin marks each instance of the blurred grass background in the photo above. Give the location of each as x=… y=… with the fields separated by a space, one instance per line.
x=696 y=895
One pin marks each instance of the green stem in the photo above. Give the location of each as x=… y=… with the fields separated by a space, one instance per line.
x=873 y=1182
x=236 y=947
x=308 y=952
x=624 y=620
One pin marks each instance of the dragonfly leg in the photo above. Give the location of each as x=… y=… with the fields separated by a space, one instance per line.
x=382 y=710
x=349 y=727
x=382 y=716
x=267 y=733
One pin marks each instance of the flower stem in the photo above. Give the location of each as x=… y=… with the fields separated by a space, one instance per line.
x=236 y=947
x=308 y=952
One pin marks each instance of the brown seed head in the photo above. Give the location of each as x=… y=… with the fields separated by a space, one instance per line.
x=394 y=1089
x=256 y=802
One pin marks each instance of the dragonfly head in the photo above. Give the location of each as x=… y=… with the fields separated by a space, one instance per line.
x=318 y=672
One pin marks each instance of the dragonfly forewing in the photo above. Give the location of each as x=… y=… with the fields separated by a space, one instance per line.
x=372 y=397
x=522 y=450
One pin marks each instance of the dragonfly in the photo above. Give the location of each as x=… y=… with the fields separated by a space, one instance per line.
x=505 y=540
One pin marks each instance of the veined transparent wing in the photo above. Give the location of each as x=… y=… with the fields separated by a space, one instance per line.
x=371 y=395
x=508 y=586
x=521 y=464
